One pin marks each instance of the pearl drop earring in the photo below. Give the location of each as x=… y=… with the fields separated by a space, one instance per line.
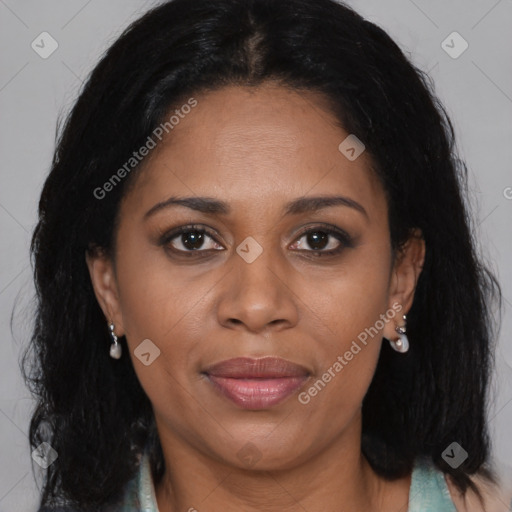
x=115 y=349
x=402 y=343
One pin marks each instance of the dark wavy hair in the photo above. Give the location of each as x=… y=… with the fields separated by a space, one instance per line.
x=91 y=408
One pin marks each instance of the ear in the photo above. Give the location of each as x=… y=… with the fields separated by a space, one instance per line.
x=404 y=277
x=101 y=271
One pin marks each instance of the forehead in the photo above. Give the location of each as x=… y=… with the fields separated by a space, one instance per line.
x=256 y=146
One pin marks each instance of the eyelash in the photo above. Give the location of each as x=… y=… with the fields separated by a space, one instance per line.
x=343 y=237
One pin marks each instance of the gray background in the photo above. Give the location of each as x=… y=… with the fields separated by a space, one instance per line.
x=476 y=88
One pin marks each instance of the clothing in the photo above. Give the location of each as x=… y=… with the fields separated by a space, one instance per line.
x=428 y=491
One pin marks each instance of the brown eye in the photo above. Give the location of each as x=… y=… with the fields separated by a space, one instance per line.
x=323 y=241
x=317 y=240
x=192 y=240
x=188 y=239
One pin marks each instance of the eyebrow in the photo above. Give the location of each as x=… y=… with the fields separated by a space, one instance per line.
x=213 y=206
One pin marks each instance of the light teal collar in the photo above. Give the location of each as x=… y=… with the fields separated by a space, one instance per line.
x=429 y=491
x=146 y=495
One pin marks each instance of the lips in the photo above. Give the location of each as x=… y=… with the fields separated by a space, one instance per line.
x=256 y=383
x=248 y=368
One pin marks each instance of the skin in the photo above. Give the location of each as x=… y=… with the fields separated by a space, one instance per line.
x=257 y=149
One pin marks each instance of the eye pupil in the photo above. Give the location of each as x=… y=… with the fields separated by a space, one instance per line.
x=317 y=237
x=196 y=239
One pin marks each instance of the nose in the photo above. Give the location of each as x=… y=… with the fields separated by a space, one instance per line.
x=258 y=296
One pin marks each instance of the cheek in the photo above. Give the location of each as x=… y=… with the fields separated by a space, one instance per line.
x=154 y=295
x=354 y=310
x=158 y=305
x=358 y=292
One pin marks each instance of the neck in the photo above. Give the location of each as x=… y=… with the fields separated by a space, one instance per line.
x=337 y=478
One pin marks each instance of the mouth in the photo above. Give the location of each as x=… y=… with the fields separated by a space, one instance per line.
x=256 y=383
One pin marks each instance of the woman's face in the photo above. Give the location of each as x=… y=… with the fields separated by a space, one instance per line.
x=256 y=284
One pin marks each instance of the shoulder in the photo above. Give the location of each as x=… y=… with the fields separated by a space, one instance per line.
x=496 y=497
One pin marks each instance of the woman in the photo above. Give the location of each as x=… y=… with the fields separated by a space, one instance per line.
x=256 y=282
